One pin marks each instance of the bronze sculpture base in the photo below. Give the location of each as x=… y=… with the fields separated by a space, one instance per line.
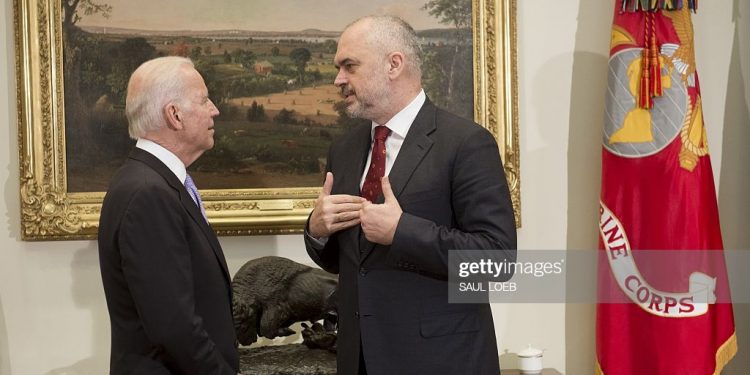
x=292 y=359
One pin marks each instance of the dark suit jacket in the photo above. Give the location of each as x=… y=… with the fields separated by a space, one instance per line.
x=449 y=181
x=165 y=277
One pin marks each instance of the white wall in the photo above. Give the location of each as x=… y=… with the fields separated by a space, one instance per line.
x=53 y=317
x=563 y=51
x=723 y=47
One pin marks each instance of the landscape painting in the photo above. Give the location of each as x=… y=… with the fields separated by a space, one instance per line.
x=268 y=65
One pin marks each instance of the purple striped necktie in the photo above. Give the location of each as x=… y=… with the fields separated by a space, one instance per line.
x=190 y=186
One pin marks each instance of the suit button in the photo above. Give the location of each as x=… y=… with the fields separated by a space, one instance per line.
x=356 y=314
x=362 y=272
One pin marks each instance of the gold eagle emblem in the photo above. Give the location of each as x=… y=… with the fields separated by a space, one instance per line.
x=683 y=26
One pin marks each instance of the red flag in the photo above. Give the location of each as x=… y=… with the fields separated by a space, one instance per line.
x=658 y=194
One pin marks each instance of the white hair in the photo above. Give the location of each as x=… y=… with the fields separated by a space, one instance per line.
x=152 y=86
x=392 y=34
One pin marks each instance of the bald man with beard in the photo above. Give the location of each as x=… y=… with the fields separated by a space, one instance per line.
x=399 y=194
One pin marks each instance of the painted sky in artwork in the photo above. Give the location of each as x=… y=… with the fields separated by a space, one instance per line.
x=254 y=15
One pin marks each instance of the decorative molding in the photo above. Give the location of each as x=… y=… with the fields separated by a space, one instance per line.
x=496 y=85
x=46 y=211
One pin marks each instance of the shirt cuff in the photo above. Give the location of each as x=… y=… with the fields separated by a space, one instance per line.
x=316 y=243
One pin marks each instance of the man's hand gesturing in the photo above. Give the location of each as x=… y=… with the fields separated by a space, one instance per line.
x=333 y=213
x=379 y=221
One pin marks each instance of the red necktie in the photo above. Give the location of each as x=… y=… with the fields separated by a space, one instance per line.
x=372 y=187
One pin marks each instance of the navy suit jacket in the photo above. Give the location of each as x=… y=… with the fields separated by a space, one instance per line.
x=449 y=181
x=165 y=277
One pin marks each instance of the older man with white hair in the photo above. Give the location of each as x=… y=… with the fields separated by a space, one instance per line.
x=164 y=273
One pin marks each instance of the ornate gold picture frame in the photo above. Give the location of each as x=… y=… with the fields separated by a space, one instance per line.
x=49 y=211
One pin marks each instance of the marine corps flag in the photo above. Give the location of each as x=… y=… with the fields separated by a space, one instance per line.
x=658 y=196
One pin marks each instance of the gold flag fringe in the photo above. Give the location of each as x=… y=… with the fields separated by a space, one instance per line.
x=598 y=369
x=654 y=5
x=724 y=354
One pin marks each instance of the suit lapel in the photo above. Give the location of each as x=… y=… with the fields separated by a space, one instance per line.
x=195 y=212
x=187 y=202
x=351 y=172
x=416 y=145
x=356 y=155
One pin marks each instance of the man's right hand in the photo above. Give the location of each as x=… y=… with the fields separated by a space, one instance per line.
x=333 y=213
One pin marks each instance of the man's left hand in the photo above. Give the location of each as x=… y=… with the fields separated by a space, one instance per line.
x=379 y=221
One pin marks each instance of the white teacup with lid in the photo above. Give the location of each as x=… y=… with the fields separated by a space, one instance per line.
x=530 y=360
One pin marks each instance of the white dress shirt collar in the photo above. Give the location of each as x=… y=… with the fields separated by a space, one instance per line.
x=399 y=125
x=165 y=156
x=401 y=122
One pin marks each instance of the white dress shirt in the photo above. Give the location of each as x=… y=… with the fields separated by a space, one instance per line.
x=165 y=156
x=399 y=125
